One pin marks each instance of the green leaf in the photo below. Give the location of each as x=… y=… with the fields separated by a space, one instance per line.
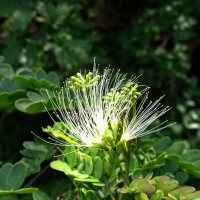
x=197 y=164
x=152 y=164
x=109 y=169
x=36 y=102
x=60 y=166
x=88 y=167
x=139 y=173
x=1 y=59
x=181 y=177
x=21 y=19
x=142 y=185
x=40 y=195
x=53 y=78
x=97 y=168
x=91 y=195
x=193 y=196
x=165 y=184
x=27 y=106
x=93 y=152
x=181 y=192
x=64 y=167
x=162 y=144
x=16 y=176
x=4 y=99
x=33 y=96
x=41 y=74
x=70 y=155
x=171 y=167
x=9 y=92
x=177 y=147
x=13 y=176
x=173 y=157
x=158 y=196
x=20 y=191
x=88 y=164
x=191 y=155
x=141 y=196
x=35 y=152
x=4 y=171
x=36 y=146
x=24 y=81
x=133 y=163
x=80 y=163
x=89 y=180
x=187 y=165
x=6 y=70
x=39 y=79
x=8 y=197
x=99 y=184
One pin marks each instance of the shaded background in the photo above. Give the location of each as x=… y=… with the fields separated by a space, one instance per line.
x=158 y=39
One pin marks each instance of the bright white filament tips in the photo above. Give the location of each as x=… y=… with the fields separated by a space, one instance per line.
x=143 y=118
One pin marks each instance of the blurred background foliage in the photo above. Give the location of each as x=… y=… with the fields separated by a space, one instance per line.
x=46 y=41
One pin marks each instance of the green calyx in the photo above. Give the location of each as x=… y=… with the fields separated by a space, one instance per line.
x=112 y=138
x=108 y=139
x=80 y=81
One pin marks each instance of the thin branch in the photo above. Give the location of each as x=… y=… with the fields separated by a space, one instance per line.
x=35 y=178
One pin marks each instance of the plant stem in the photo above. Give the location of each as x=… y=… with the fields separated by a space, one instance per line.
x=43 y=171
x=121 y=170
x=127 y=159
x=111 y=195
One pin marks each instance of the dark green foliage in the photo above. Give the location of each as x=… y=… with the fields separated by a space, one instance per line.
x=10 y=91
x=16 y=85
x=40 y=195
x=12 y=178
x=46 y=41
x=34 y=153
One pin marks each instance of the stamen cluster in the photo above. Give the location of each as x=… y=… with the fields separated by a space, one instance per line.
x=96 y=109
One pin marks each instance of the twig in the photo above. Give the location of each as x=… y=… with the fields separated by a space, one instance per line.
x=33 y=180
x=2 y=119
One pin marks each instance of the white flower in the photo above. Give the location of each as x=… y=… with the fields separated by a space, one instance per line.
x=85 y=110
x=143 y=118
x=95 y=110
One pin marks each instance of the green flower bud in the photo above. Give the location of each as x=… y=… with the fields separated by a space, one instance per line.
x=83 y=81
x=115 y=126
x=109 y=139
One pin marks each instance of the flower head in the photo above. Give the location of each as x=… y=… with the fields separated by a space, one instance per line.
x=89 y=104
x=95 y=110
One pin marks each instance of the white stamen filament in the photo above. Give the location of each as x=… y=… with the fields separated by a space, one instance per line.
x=143 y=118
